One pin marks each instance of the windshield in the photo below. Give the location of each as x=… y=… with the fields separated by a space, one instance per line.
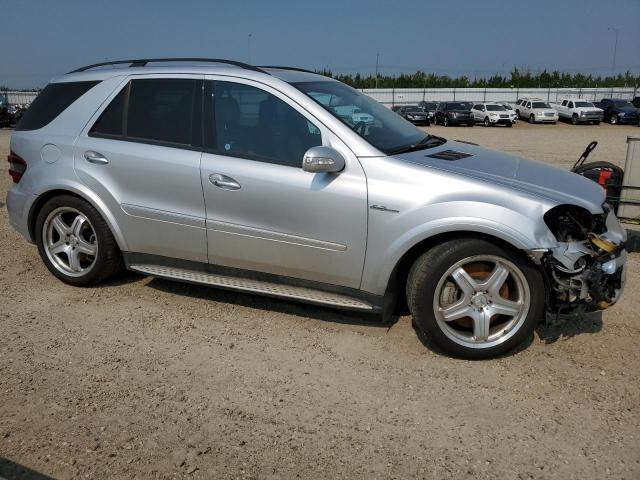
x=540 y=105
x=382 y=128
x=622 y=103
x=459 y=106
x=583 y=104
x=429 y=106
x=413 y=108
x=495 y=108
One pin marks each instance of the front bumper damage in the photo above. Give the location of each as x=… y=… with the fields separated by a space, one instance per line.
x=586 y=274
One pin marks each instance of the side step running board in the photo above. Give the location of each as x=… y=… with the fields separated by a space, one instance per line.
x=260 y=287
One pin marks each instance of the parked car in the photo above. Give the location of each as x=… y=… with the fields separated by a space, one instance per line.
x=536 y=110
x=5 y=116
x=454 y=113
x=491 y=114
x=247 y=178
x=429 y=108
x=636 y=102
x=579 y=111
x=412 y=113
x=619 y=111
x=353 y=115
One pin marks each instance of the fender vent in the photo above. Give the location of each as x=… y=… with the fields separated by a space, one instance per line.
x=450 y=155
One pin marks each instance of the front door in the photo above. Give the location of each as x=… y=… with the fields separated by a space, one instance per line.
x=263 y=212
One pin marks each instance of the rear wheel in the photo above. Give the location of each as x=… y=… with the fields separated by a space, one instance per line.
x=475 y=299
x=532 y=119
x=75 y=242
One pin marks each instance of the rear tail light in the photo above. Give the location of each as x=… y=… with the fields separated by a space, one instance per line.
x=17 y=167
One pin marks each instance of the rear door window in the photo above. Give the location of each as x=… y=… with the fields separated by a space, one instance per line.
x=154 y=110
x=51 y=102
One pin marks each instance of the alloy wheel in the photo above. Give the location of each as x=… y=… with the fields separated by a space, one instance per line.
x=481 y=301
x=70 y=241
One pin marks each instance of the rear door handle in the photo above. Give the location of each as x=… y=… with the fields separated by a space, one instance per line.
x=224 y=182
x=95 y=157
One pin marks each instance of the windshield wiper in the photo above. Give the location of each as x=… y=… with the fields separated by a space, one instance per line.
x=429 y=141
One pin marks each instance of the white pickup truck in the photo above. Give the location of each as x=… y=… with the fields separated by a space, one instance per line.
x=579 y=111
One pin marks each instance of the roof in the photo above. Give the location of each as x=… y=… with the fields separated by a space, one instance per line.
x=106 y=70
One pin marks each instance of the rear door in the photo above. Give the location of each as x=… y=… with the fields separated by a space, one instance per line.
x=141 y=154
x=264 y=213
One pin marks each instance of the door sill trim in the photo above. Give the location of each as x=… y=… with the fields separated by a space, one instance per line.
x=253 y=282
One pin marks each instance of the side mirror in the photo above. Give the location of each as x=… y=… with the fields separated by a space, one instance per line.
x=323 y=159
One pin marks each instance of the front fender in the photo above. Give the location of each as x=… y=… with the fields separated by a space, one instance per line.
x=391 y=238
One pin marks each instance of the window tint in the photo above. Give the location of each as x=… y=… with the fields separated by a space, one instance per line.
x=570 y=104
x=111 y=122
x=155 y=110
x=51 y=102
x=161 y=110
x=244 y=121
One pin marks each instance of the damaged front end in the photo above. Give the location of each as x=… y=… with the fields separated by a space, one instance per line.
x=586 y=270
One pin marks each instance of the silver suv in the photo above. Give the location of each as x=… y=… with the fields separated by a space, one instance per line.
x=255 y=179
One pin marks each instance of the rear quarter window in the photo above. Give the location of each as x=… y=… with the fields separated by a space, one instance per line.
x=51 y=102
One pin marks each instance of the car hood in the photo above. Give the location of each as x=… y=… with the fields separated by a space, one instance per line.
x=626 y=109
x=519 y=174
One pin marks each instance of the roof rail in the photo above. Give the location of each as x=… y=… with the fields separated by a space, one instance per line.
x=295 y=69
x=143 y=62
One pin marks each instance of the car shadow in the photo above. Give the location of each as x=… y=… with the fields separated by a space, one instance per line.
x=269 y=303
x=14 y=471
x=567 y=326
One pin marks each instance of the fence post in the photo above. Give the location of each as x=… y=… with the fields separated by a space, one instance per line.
x=454 y=94
x=424 y=93
x=484 y=99
x=393 y=97
x=549 y=95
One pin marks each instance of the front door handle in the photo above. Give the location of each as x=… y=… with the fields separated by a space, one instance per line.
x=95 y=157
x=224 y=182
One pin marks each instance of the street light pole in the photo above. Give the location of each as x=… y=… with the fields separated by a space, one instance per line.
x=615 y=50
x=377 y=59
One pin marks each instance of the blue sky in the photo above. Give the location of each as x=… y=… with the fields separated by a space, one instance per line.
x=42 y=39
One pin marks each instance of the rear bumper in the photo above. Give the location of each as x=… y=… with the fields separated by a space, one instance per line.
x=18 y=206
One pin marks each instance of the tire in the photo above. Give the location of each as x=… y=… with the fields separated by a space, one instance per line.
x=487 y=123
x=430 y=281
x=614 y=119
x=82 y=231
x=509 y=125
x=517 y=113
x=472 y=124
x=596 y=123
x=446 y=121
x=574 y=120
x=532 y=119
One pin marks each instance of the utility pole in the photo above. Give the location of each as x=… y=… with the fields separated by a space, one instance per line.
x=615 y=50
x=249 y=49
x=377 y=60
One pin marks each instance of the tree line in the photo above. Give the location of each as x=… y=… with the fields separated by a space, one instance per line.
x=516 y=79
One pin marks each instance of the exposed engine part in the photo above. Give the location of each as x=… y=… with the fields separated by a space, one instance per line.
x=583 y=271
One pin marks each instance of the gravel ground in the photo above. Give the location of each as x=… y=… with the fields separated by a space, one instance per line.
x=143 y=378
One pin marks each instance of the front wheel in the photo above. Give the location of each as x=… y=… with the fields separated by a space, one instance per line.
x=487 y=123
x=446 y=121
x=75 y=242
x=532 y=119
x=614 y=119
x=574 y=120
x=475 y=299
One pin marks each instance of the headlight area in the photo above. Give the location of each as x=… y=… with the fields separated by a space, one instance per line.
x=586 y=271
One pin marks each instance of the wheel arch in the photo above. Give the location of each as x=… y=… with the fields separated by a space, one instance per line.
x=398 y=279
x=81 y=193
